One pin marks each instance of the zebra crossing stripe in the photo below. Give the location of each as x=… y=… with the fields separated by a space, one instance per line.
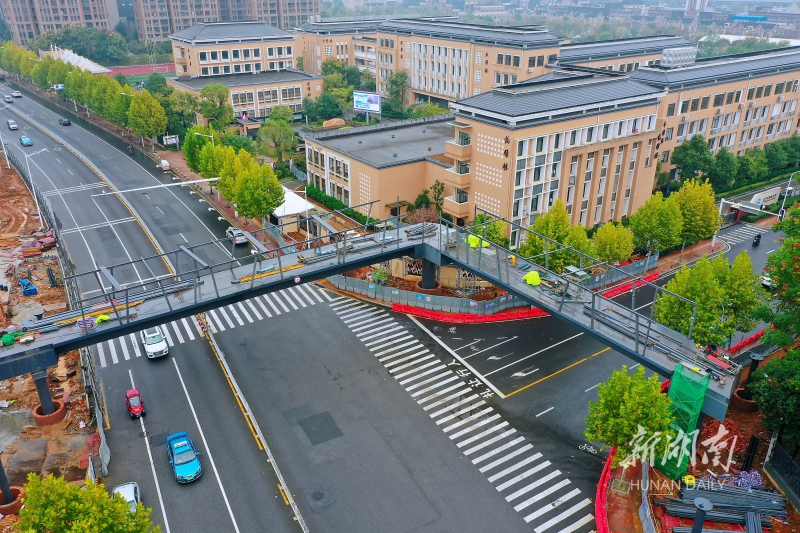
x=519 y=477
x=101 y=355
x=468 y=419
x=373 y=324
x=580 y=523
x=290 y=290
x=272 y=305
x=465 y=410
x=113 y=352
x=285 y=297
x=497 y=450
x=482 y=445
x=226 y=317
x=397 y=347
x=443 y=400
x=177 y=331
x=188 y=329
x=218 y=325
x=537 y=483
x=429 y=380
x=280 y=302
x=420 y=374
x=452 y=406
x=356 y=307
x=394 y=327
x=196 y=322
x=539 y=495
x=302 y=293
x=327 y=296
x=386 y=338
x=434 y=387
x=364 y=314
x=558 y=518
x=235 y=315
x=473 y=427
x=263 y=307
x=347 y=303
x=124 y=348
x=255 y=311
x=550 y=506
x=514 y=467
x=165 y=331
x=482 y=434
x=314 y=293
x=409 y=364
x=498 y=462
x=439 y=394
x=135 y=345
x=244 y=312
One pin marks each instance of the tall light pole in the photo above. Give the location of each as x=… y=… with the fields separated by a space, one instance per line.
x=5 y=153
x=785 y=194
x=33 y=185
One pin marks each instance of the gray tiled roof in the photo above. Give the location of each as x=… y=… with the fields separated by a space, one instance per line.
x=247 y=80
x=619 y=48
x=713 y=70
x=518 y=36
x=340 y=25
x=221 y=31
x=539 y=96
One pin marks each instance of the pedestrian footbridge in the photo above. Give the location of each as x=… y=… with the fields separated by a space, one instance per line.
x=200 y=285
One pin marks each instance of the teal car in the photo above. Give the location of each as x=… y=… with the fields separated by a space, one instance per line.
x=184 y=457
x=25 y=141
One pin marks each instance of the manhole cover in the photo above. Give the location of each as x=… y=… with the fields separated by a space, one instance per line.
x=621 y=486
x=318 y=496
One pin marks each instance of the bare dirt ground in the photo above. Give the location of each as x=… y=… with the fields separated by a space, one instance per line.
x=365 y=273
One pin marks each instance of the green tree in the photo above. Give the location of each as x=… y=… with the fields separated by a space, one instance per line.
x=310 y=109
x=723 y=171
x=367 y=81
x=328 y=107
x=214 y=104
x=776 y=390
x=578 y=240
x=784 y=313
x=554 y=225
x=698 y=284
x=146 y=117
x=437 y=196
x=277 y=139
x=776 y=157
x=212 y=160
x=232 y=168
x=699 y=213
x=282 y=113
x=692 y=157
x=185 y=107
x=233 y=138
x=156 y=83
x=613 y=242
x=658 y=224
x=427 y=110
x=194 y=143
x=743 y=292
x=298 y=64
x=258 y=193
x=121 y=78
x=52 y=504
x=103 y=46
x=118 y=111
x=624 y=403
x=396 y=91
x=493 y=230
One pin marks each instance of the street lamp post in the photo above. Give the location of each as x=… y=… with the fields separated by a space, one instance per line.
x=5 y=152
x=204 y=135
x=33 y=185
x=785 y=194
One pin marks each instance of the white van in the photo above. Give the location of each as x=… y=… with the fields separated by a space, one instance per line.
x=11 y=124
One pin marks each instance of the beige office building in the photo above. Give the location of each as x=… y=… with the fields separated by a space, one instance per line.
x=587 y=138
x=27 y=19
x=739 y=102
x=223 y=48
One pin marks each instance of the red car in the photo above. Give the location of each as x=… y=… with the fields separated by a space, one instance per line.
x=135 y=404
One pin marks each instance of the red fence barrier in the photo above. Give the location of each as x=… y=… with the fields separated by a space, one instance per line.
x=600 y=513
x=467 y=318
x=625 y=287
x=749 y=340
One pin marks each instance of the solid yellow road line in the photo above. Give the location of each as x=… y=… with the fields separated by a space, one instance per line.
x=557 y=372
x=283 y=493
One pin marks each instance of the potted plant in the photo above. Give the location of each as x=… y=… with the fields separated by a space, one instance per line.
x=380 y=275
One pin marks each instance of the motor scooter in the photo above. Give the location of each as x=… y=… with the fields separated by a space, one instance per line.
x=757 y=240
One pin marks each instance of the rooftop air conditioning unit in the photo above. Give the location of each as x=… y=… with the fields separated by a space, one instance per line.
x=720 y=111
x=780 y=98
x=752 y=104
x=686 y=118
x=530 y=70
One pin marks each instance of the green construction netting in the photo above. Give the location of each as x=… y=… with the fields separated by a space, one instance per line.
x=687 y=390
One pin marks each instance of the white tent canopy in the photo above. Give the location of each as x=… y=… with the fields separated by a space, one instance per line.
x=293 y=204
x=68 y=56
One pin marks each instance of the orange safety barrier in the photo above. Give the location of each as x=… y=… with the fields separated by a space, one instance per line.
x=468 y=318
x=625 y=287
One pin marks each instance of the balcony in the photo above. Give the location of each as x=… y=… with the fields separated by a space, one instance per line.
x=458 y=210
x=458 y=151
x=458 y=179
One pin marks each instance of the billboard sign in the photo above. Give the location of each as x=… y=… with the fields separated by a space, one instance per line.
x=766 y=197
x=367 y=102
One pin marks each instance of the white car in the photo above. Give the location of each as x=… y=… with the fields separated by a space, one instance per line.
x=130 y=493
x=766 y=282
x=16 y=94
x=155 y=345
x=236 y=235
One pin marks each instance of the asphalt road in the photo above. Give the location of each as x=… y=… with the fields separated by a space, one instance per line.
x=186 y=391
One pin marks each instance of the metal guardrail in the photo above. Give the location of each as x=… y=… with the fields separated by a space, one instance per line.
x=789 y=471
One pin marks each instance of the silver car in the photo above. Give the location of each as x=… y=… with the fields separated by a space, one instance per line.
x=130 y=493
x=236 y=235
x=155 y=345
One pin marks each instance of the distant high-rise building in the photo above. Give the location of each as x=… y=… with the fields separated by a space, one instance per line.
x=27 y=19
x=696 y=6
x=157 y=19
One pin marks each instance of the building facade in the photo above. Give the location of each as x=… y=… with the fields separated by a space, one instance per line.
x=623 y=55
x=156 y=20
x=27 y=19
x=739 y=102
x=222 y=48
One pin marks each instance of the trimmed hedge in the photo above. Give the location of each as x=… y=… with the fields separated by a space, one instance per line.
x=332 y=203
x=780 y=177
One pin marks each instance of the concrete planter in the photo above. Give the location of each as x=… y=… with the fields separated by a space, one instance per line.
x=435 y=291
x=16 y=505
x=48 y=420
x=742 y=405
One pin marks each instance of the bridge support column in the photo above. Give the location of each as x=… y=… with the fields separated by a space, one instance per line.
x=40 y=378
x=428 y=275
x=5 y=488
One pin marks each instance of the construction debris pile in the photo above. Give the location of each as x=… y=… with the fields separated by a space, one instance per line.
x=749 y=506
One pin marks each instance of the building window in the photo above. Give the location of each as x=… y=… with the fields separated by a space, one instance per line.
x=531 y=61
x=751 y=92
x=499 y=59
x=671 y=110
x=719 y=99
x=668 y=134
x=704 y=102
x=517 y=60
x=695 y=104
x=540 y=61
x=684 y=106
x=665 y=156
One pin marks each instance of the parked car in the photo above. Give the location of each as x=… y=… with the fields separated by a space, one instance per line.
x=16 y=94
x=8 y=99
x=130 y=493
x=25 y=141
x=64 y=122
x=155 y=345
x=236 y=235
x=766 y=282
x=134 y=403
x=184 y=457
